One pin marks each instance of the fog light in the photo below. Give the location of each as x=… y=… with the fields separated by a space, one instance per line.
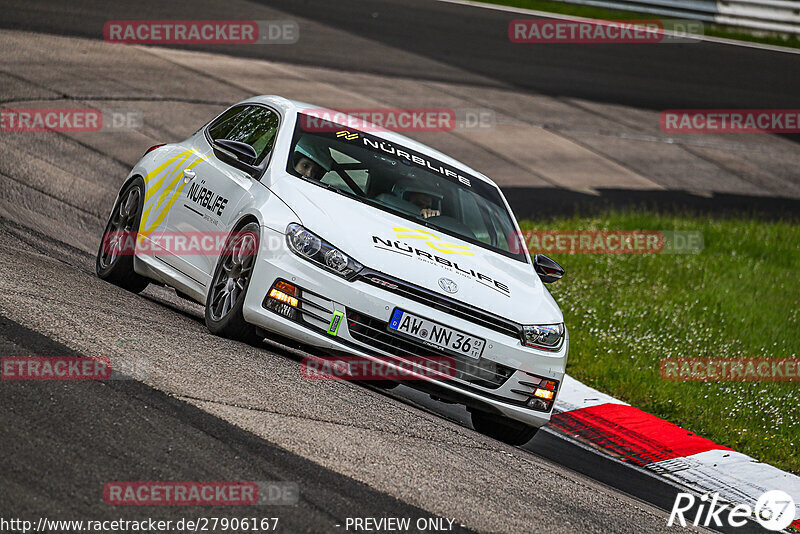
x=542 y=392
x=286 y=287
x=539 y=404
x=280 y=296
x=549 y=384
x=282 y=299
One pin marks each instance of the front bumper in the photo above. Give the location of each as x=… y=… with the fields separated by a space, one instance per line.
x=506 y=365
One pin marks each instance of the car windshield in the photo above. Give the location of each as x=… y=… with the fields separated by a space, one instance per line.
x=404 y=182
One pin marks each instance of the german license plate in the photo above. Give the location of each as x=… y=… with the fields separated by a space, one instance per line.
x=438 y=335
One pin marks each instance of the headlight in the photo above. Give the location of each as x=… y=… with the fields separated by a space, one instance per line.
x=310 y=246
x=543 y=336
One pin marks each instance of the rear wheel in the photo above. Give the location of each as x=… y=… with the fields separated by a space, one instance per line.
x=502 y=428
x=115 y=257
x=224 y=316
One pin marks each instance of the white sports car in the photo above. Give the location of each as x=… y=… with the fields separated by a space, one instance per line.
x=363 y=243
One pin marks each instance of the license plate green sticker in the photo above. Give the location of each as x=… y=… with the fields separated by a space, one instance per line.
x=336 y=321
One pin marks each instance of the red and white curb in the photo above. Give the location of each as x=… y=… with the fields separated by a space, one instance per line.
x=639 y=438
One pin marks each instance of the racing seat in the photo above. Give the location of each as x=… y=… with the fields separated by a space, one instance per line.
x=397 y=203
x=454 y=225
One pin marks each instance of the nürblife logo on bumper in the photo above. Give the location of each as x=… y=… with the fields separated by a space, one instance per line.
x=458 y=267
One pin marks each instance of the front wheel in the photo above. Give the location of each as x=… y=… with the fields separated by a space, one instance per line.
x=115 y=257
x=225 y=301
x=502 y=428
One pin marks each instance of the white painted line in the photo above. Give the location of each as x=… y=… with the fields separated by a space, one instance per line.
x=558 y=16
x=575 y=395
x=737 y=477
x=643 y=470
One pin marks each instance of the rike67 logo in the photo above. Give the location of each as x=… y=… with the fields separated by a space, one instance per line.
x=774 y=510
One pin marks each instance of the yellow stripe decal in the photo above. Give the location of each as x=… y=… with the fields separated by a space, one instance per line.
x=164 y=212
x=161 y=167
x=152 y=190
x=447 y=248
x=176 y=173
x=415 y=234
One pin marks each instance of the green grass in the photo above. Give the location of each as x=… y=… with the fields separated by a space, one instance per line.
x=715 y=30
x=739 y=297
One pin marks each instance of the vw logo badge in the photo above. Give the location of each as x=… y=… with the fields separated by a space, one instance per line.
x=448 y=285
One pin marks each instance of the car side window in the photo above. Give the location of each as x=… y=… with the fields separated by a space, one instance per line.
x=255 y=125
x=220 y=127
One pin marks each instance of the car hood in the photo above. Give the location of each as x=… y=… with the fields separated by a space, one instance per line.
x=421 y=255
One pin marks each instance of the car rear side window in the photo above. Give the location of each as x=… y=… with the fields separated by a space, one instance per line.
x=255 y=125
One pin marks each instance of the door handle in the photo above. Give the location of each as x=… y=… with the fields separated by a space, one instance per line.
x=188 y=175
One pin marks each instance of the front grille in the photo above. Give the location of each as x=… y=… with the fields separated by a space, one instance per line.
x=372 y=332
x=313 y=309
x=441 y=303
x=316 y=310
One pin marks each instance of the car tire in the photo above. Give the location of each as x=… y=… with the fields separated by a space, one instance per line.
x=232 y=275
x=502 y=428
x=114 y=262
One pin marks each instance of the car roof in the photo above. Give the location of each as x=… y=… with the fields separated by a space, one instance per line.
x=288 y=106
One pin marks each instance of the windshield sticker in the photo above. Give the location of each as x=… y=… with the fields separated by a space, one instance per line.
x=430 y=164
x=425 y=163
x=347 y=135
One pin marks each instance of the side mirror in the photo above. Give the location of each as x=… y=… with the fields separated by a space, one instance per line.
x=548 y=270
x=235 y=151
